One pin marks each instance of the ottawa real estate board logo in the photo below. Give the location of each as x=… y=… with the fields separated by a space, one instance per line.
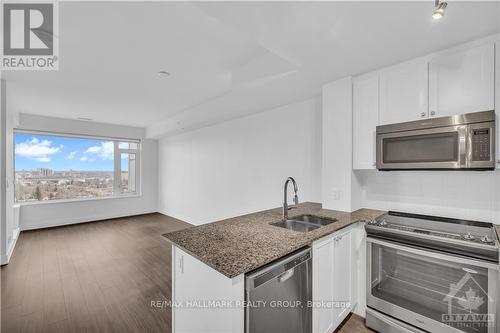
x=30 y=35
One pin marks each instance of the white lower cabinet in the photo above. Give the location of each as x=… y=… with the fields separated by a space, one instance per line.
x=322 y=286
x=334 y=279
x=194 y=285
x=344 y=277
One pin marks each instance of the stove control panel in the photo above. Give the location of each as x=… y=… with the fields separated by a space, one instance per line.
x=468 y=236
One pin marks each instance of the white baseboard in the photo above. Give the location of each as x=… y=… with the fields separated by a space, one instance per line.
x=6 y=257
x=72 y=220
x=184 y=219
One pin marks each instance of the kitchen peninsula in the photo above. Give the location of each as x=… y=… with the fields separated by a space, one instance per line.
x=210 y=262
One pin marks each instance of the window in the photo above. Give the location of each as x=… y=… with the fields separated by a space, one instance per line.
x=128 y=166
x=54 y=167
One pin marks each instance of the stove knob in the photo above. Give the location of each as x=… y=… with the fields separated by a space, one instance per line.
x=486 y=239
x=469 y=236
x=383 y=223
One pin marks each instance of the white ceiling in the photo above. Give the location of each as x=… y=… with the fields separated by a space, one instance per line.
x=227 y=59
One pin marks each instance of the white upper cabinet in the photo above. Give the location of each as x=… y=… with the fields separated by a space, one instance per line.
x=462 y=81
x=454 y=81
x=403 y=92
x=365 y=120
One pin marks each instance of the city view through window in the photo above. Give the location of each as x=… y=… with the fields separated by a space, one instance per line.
x=58 y=168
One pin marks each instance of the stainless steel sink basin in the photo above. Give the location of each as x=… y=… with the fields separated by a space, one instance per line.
x=304 y=223
x=320 y=221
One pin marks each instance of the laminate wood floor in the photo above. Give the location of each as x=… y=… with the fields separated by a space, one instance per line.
x=354 y=324
x=94 y=277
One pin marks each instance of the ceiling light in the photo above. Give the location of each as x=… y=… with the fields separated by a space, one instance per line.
x=164 y=73
x=439 y=7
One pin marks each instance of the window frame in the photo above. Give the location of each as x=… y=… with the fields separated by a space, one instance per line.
x=117 y=194
x=117 y=169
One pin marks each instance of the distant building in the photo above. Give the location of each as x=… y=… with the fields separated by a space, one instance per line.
x=45 y=172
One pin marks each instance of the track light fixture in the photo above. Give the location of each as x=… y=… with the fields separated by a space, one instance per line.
x=439 y=7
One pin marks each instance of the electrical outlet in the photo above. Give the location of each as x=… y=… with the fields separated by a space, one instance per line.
x=336 y=194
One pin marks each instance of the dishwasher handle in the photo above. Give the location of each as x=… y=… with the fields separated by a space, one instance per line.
x=283 y=269
x=285 y=276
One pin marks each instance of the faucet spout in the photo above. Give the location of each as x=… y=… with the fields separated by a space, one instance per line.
x=285 y=196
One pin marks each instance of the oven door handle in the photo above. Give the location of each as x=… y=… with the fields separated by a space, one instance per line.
x=434 y=255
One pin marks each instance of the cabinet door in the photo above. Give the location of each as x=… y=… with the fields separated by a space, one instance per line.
x=497 y=102
x=190 y=278
x=462 y=82
x=323 y=284
x=344 y=279
x=365 y=120
x=403 y=92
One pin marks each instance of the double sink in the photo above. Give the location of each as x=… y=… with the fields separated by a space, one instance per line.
x=304 y=223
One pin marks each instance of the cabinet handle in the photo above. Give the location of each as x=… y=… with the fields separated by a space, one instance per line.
x=433 y=113
x=422 y=114
x=181 y=264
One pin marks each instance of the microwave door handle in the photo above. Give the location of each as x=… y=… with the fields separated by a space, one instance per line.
x=462 y=146
x=469 y=147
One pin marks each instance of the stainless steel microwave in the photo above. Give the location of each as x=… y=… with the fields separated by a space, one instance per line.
x=465 y=141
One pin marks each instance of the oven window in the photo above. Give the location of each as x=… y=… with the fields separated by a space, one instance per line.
x=448 y=292
x=440 y=147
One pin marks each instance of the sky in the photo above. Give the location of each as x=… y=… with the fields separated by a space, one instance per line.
x=63 y=153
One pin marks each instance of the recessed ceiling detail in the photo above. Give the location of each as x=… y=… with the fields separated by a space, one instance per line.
x=230 y=59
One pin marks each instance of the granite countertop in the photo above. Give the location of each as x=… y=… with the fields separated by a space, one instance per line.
x=241 y=244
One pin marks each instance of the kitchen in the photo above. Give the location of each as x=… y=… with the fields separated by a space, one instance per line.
x=387 y=105
x=300 y=195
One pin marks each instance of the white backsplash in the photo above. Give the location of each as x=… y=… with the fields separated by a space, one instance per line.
x=461 y=194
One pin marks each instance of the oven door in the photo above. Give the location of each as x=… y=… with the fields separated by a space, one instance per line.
x=434 y=148
x=430 y=290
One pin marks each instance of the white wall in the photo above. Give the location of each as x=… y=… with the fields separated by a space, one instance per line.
x=9 y=225
x=3 y=189
x=461 y=194
x=240 y=166
x=45 y=214
x=12 y=224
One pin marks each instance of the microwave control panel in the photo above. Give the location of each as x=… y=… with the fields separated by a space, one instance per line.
x=481 y=144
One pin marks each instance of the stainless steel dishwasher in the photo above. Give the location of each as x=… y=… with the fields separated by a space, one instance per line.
x=278 y=295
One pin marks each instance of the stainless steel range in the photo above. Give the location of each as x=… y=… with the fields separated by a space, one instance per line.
x=434 y=274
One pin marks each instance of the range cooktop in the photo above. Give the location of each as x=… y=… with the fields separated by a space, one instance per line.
x=463 y=237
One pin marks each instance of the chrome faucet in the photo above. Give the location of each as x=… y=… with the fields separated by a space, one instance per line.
x=295 y=198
